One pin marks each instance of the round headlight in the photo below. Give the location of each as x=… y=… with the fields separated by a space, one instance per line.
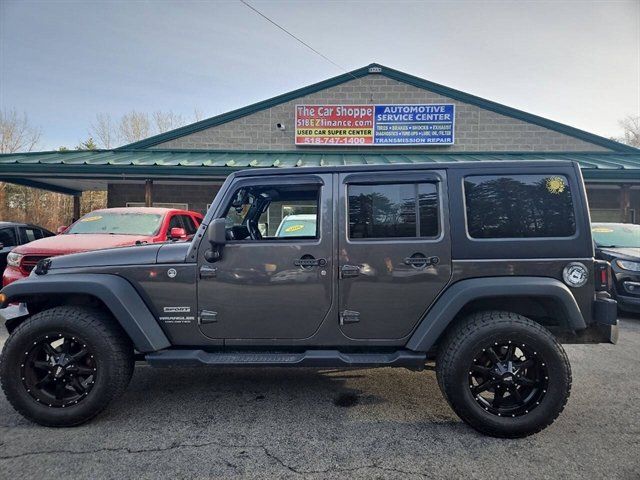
x=575 y=274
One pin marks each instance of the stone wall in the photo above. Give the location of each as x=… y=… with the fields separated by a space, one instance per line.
x=476 y=129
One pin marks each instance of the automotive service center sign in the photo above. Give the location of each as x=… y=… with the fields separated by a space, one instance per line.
x=352 y=125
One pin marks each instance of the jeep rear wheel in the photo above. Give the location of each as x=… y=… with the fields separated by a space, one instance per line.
x=503 y=374
x=63 y=366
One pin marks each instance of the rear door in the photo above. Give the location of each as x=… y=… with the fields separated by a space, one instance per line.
x=394 y=250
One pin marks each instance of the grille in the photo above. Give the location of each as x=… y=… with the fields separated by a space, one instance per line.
x=29 y=262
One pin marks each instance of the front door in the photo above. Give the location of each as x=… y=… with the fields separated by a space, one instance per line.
x=273 y=280
x=394 y=251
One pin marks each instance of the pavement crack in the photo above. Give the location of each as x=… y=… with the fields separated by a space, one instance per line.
x=177 y=445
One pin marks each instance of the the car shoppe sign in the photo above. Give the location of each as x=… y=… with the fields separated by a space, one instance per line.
x=426 y=124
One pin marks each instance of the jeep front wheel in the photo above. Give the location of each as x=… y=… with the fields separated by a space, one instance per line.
x=503 y=374
x=63 y=366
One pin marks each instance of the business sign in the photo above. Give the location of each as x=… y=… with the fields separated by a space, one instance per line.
x=353 y=125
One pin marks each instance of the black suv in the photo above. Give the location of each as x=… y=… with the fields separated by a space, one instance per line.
x=483 y=269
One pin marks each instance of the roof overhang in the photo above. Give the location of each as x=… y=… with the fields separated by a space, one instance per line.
x=74 y=171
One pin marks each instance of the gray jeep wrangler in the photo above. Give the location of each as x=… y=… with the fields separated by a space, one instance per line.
x=485 y=270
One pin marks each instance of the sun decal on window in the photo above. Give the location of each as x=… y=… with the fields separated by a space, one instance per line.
x=555 y=185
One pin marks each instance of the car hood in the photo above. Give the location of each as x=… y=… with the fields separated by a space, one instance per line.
x=619 y=252
x=137 y=255
x=73 y=243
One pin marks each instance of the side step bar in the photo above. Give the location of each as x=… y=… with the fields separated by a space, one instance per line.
x=310 y=358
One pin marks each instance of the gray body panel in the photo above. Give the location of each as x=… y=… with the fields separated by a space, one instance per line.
x=459 y=294
x=115 y=292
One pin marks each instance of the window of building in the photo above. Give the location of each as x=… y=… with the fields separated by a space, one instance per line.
x=177 y=206
x=389 y=211
x=273 y=212
x=519 y=206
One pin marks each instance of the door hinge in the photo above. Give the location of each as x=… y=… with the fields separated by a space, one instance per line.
x=349 y=316
x=207 y=316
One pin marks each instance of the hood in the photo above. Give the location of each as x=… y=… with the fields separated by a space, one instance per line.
x=138 y=255
x=72 y=243
x=630 y=253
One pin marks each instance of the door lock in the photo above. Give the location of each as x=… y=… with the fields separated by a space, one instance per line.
x=349 y=271
x=349 y=316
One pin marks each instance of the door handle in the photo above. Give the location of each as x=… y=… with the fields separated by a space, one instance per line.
x=309 y=261
x=418 y=260
x=349 y=271
x=207 y=271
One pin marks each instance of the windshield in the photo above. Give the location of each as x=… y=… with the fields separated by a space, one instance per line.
x=613 y=235
x=297 y=228
x=117 y=223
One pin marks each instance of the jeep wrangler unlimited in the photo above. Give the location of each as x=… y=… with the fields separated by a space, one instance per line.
x=484 y=269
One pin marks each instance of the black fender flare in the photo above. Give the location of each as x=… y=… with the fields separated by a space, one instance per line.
x=444 y=310
x=115 y=292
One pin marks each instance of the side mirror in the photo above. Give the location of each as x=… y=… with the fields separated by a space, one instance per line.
x=217 y=232
x=177 y=233
x=61 y=229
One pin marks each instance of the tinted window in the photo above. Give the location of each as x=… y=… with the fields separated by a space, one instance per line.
x=31 y=234
x=7 y=237
x=389 y=211
x=175 y=222
x=189 y=225
x=519 y=206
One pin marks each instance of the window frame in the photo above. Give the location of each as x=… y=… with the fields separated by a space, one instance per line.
x=574 y=197
x=393 y=178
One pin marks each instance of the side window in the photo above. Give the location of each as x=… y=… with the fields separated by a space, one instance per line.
x=30 y=234
x=519 y=206
x=274 y=212
x=402 y=210
x=8 y=237
x=175 y=222
x=189 y=225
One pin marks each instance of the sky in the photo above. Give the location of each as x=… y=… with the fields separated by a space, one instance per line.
x=62 y=62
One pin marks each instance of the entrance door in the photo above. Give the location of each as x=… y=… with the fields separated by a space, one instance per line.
x=273 y=280
x=394 y=251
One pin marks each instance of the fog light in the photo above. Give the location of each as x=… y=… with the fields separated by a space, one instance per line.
x=632 y=287
x=3 y=300
x=575 y=274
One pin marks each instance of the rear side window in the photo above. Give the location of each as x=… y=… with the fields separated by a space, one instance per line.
x=403 y=210
x=31 y=234
x=519 y=206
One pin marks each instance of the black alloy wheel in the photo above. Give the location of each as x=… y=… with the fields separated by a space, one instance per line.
x=59 y=370
x=508 y=379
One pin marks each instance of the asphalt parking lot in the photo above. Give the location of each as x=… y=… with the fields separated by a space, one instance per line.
x=386 y=423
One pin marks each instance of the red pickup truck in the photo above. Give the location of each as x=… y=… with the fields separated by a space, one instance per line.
x=107 y=228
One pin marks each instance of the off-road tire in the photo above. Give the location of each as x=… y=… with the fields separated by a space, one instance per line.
x=112 y=352
x=456 y=353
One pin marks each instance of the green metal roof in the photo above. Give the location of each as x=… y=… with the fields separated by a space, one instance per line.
x=600 y=166
x=377 y=69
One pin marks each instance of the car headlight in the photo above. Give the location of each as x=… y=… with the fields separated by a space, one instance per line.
x=13 y=259
x=627 y=265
